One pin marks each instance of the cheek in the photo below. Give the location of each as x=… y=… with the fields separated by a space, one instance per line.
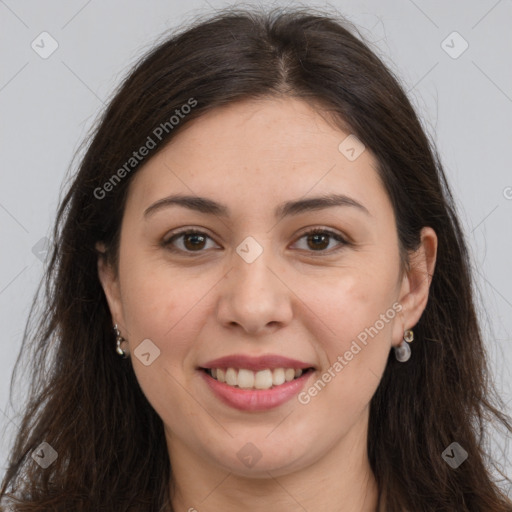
x=156 y=308
x=359 y=308
x=167 y=306
x=356 y=298
x=155 y=296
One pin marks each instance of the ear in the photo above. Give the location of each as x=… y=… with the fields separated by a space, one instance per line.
x=416 y=283
x=110 y=284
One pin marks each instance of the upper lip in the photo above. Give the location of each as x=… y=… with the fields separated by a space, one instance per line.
x=270 y=361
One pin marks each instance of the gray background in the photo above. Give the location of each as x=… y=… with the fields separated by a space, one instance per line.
x=48 y=105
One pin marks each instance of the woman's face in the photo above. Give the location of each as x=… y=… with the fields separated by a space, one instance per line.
x=254 y=287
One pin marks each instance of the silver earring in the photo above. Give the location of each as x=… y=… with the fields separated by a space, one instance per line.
x=403 y=351
x=119 y=339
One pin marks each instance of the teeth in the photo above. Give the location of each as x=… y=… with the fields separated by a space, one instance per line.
x=247 y=379
x=278 y=377
x=289 y=374
x=262 y=379
x=231 y=377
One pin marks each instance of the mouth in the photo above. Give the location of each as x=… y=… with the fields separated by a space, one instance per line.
x=263 y=379
x=255 y=383
x=255 y=390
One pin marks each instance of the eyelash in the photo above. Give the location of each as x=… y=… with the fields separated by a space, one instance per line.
x=332 y=234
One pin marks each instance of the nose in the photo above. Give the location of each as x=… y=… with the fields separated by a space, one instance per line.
x=253 y=298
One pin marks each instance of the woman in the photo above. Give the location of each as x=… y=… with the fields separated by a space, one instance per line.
x=259 y=295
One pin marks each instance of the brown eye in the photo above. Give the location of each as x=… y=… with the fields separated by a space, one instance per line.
x=187 y=241
x=193 y=241
x=317 y=240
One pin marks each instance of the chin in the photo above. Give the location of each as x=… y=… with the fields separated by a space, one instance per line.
x=253 y=462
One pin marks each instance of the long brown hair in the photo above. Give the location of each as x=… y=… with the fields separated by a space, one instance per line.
x=85 y=401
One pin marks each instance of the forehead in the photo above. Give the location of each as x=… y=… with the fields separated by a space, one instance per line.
x=264 y=150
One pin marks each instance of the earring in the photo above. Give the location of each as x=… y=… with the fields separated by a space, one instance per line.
x=119 y=339
x=403 y=351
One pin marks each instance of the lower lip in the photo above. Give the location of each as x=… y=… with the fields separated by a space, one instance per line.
x=256 y=399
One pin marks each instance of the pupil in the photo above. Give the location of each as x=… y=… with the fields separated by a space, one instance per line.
x=317 y=236
x=194 y=244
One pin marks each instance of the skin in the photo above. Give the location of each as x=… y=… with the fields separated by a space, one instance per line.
x=299 y=298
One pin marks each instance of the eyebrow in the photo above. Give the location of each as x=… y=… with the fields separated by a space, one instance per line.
x=288 y=208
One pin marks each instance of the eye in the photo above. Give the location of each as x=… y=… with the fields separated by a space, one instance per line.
x=190 y=241
x=318 y=239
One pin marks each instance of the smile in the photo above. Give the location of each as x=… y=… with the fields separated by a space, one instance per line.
x=247 y=379
x=232 y=392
